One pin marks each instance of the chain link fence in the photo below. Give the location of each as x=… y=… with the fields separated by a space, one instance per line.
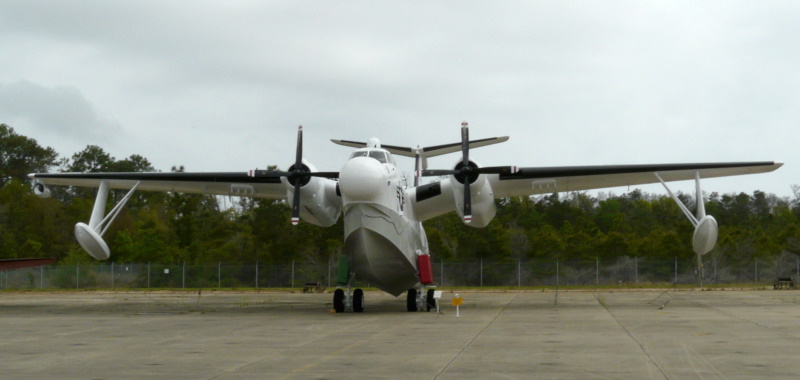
x=624 y=271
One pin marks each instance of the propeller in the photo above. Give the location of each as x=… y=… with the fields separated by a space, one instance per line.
x=298 y=175
x=467 y=172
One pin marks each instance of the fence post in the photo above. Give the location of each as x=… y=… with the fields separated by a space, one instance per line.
x=41 y=277
x=557 y=273
x=112 y=275
x=219 y=274
x=636 y=269
x=702 y=270
x=293 y=273
x=256 y=274
x=756 y=270
x=597 y=270
x=481 y=272
x=148 y=275
x=183 y=275
x=519 y=272
x=441 y=277
x=676 y=269
x=716 y=278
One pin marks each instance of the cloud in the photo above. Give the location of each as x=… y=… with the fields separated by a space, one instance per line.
x=61 y=110
x=571 y=83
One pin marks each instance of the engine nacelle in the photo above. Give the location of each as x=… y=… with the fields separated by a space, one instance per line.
x=705 y=235
x=319 y=203
x=41 y=191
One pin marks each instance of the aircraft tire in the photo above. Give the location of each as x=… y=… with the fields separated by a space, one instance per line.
x=338 y=300
x=358 y=301
x=411 y=300
x=430 y=301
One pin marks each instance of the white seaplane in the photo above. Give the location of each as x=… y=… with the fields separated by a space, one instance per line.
x=384 y=241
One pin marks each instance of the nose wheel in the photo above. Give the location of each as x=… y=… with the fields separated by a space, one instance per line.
x=345 y=301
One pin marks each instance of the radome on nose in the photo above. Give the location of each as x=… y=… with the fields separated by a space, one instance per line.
x=362 y=179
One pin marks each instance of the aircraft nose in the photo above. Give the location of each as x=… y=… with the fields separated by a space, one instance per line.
x=362 y=179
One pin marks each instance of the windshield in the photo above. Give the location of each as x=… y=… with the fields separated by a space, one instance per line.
x=358 y=154
x=378 y=155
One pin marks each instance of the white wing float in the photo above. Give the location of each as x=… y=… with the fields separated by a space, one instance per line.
x=385 y=244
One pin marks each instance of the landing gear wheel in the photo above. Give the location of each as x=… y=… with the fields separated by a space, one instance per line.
x=338 y=300
x=430 y=301
x=411 y=301
x=358 y=301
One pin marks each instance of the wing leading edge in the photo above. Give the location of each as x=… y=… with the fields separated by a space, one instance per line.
x=545 y=180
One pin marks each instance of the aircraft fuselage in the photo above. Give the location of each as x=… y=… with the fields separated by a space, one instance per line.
x=381 y=235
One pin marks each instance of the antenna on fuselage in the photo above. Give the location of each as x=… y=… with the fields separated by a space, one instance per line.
x=373 y=142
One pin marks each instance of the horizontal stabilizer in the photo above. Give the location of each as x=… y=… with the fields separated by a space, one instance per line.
x=428 y=151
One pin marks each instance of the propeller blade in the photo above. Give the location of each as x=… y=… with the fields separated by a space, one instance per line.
x=467 y=204
x=497 y=170
x=324 y=174
x=296 y=204
x=268 y=173
x=465 y=142
x=299 y=157
x=298 y=162
x=437 y=172
x=465 y=168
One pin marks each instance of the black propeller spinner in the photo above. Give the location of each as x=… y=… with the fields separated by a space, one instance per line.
x=466 y=172
x=298 y=175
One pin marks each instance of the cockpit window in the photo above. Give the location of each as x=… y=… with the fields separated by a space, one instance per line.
x=378 y=155
x=358 y=154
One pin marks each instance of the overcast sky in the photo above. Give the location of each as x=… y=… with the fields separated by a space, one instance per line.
x=222 y=86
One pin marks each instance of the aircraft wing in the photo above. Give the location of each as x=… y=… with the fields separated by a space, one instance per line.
x=438 y=198
x=223 y=183
x=546 y=180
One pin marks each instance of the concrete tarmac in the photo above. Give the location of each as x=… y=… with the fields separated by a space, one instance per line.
x=517 y=335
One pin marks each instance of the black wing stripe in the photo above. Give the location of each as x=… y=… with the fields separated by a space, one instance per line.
x=174 y=177
x=575 y=171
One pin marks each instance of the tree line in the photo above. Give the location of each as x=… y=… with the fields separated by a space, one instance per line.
x=202 y=229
